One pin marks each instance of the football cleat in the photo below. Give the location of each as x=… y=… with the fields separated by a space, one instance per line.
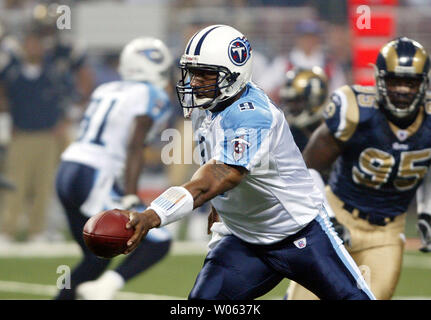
x=103 y=288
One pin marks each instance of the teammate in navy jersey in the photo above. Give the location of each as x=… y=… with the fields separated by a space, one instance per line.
x=254 y=175
x=378 y=138
x=101 y=169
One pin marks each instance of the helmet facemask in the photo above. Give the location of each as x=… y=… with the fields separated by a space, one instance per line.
x=300 y=113
x=302 y=97
x=405 y=103
x=401 y=74
x=204 y=96
x=221 y=51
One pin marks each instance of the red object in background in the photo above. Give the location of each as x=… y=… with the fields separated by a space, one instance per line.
x=374 y=2
x=105 y=234
x=364 y=80
x=363 y=56
x=382 y=25
x=363 y=76
x=368 y=41
x=148 y=195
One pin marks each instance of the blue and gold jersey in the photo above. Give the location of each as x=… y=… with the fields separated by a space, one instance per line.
x=381 y=165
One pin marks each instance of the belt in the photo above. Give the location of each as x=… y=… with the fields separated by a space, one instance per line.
x=371 y=218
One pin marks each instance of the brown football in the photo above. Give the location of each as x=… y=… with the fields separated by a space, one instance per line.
x=105 y=234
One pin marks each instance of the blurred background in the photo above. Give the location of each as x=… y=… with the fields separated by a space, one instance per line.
x=79 y=43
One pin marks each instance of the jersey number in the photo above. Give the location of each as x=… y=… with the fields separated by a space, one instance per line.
x=202 y=149
x=95 y=118
x=375 y=167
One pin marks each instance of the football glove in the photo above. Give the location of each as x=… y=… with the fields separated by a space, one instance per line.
x=424 y=230
x=212 y=218
x=342 y=232
x=132 y=202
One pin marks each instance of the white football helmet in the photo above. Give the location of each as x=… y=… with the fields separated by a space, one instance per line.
x=146 y=59
x=221 y=49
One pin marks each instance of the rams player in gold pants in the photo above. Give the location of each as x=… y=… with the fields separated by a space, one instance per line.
x=378 y=141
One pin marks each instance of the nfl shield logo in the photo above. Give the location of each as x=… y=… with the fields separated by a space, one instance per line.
x=300 y=243
x=402 y=135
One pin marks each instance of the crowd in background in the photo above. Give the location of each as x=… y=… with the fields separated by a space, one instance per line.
x=45 y=83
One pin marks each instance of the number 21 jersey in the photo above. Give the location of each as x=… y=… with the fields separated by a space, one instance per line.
x=108 y=122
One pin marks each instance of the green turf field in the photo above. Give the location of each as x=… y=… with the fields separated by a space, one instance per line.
x=36 y=278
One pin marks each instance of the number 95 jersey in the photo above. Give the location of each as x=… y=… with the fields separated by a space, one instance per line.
x=381 y=165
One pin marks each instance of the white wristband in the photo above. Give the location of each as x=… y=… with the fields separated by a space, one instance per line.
x=172 y=205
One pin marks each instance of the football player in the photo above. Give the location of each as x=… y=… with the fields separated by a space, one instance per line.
x=378 y=137
x=100 y=170
x=302 y=97
x=255 y=177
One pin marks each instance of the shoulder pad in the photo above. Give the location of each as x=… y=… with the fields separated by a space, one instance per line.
x=342 y=113
x=428 y=102
x=245 y=113
x=364 y=89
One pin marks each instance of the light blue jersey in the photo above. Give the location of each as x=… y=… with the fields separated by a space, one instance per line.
x=108 y=120
x=278 y=197
x=105 y=134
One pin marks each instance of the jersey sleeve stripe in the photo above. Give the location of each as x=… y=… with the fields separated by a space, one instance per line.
x=349 y=114
x=225 y=150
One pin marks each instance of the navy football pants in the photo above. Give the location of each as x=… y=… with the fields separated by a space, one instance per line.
x=238 y=270
x=74 y=183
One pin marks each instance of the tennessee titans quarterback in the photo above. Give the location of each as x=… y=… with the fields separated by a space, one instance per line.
x=378 y=137
x=100 y=170
x=255 y=177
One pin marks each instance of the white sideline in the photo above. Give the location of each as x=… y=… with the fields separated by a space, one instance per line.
x=417 y=262
x=49 y=290
x=71 y=249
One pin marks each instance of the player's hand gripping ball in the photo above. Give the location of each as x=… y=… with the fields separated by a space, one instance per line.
x=105 y=234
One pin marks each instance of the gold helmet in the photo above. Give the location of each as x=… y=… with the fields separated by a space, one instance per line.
x=302 y=96
x=401 y=73
x=44 y=18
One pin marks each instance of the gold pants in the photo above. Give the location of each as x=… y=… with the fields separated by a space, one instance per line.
x=377 y=250
x=31 y=163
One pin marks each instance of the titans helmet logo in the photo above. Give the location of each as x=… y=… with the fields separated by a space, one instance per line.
x=239 y=146
x=239 y=51
x=153 y=55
